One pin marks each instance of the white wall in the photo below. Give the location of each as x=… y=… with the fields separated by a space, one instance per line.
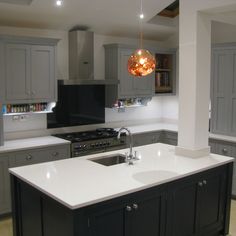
x=152 y=111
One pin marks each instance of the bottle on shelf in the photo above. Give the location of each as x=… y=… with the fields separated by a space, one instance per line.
x=25 y=108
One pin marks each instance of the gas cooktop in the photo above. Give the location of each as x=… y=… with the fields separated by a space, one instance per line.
x=89 y=135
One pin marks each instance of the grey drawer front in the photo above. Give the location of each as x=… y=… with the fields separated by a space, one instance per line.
x=36 y=156
x=31 y=157
x=59 y=153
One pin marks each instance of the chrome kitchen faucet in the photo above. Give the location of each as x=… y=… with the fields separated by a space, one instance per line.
x=130 y=158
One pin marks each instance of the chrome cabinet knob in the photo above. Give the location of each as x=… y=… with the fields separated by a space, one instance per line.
x=224 y=150
x=200 y=184
x=29 y=157
x=128 y=208
x=55 y=154
x=135 y=206
x=204 y=182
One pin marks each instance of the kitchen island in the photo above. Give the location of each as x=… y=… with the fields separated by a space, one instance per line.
x=161 y=194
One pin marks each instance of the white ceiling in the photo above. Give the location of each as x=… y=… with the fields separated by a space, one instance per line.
x=111 y=17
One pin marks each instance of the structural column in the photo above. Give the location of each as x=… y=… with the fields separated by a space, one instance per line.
x=194 y=81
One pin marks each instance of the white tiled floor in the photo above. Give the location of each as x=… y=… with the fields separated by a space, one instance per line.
x=6 y=224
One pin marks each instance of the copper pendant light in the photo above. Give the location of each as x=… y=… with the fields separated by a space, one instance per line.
x=141 y=62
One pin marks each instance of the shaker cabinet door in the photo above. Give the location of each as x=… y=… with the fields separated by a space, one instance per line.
x=182 y=209
x=224 y=91
x=126 y=86
x=107 y=222
x=148 y=216
x=5 y=197
x=211 y=201
x=42 y=72
x=17 y=72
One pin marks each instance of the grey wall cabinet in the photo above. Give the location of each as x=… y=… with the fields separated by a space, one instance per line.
x=21 y=158
x=116 y=58
x=5 y=199
x=43 y=72
x=28 y=73
x=17 y=72
x=223 y=95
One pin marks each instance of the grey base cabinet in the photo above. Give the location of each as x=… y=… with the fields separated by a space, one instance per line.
x=196 y=205
x=22 y=158
x=147 y=138
x=167 y=137
x=5 y=199
x=39 y=155
x=227 y=149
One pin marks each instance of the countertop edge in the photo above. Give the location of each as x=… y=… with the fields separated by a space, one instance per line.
x=75 y=207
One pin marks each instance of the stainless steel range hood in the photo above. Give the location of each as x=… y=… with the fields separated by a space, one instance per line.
x=81 y=60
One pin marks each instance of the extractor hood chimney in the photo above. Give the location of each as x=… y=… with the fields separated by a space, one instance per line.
x=81 y=59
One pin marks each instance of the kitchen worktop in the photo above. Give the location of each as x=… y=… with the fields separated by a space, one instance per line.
x=22 y=144
x=79 y=182
x=44 y=141
x=142 y=128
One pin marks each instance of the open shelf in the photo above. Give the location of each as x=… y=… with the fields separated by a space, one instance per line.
x=27 y=113
x=164 y=73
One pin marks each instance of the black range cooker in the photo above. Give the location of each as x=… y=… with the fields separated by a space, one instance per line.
x=95 y=141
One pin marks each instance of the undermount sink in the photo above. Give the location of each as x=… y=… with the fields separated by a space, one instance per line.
x=110 y=160
x=148 y=177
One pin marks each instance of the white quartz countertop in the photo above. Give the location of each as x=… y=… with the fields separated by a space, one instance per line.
x=22 y=144
x=45 y=141
x=79 y=182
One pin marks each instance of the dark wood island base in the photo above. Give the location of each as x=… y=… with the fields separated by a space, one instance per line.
x=197 y=205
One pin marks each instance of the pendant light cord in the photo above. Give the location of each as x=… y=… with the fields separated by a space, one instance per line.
x=141 y=24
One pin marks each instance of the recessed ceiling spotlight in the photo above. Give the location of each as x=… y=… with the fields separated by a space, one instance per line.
x=59 y=3
x=141 y=16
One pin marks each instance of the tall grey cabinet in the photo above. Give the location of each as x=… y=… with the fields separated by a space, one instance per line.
x=28 y=69
x=223 y=94
x=116 y=59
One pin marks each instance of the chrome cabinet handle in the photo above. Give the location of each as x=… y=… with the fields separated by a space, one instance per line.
x=204 y=182
x=135 y=206
x=200 y=184
x=128 y=208
x=29 y=157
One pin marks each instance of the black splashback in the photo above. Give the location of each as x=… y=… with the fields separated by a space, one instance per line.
x=78 y=105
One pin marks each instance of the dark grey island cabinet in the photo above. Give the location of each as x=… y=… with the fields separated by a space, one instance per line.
x=196 y=205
